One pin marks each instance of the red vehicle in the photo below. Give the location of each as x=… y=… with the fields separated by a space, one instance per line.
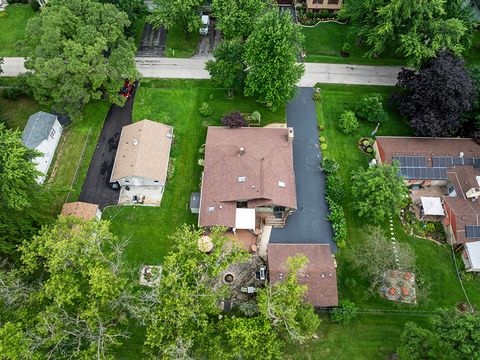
x=127 y=89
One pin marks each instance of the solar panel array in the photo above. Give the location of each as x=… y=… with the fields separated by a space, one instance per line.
x=472 y=231
x=451 y=161
x=415 y=167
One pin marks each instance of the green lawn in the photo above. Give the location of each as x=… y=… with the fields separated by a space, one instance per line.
x=17 y=112
x=175 y=102
x=324 y=42
x=12 y=27
x=178 y=45
x=434 y=262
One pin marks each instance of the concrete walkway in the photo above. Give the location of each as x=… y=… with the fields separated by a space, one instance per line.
x=308 y=224
x=194 y=68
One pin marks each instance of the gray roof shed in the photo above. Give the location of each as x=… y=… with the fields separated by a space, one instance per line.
x=37 y=129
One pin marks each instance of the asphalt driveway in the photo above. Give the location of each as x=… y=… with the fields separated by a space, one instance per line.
x=308 y=224
x=96 y=188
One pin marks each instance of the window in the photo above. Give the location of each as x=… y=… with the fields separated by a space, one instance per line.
x=318 y=2
x=242 y=179
x=242 y=205
x=155 y=180
x=52 y=133
x=127 y=181
x=332 y=2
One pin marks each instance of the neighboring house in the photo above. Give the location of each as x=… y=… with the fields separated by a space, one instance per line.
x=452 y=166
x=319 y=274
x=42 y=133
x=471 y=256
x=248 y=178
x=141 y=162
x=81 y=210
x=329 y=5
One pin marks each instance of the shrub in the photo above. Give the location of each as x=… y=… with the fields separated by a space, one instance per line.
x=249 y=308
x=335 y=188
x=323 y=146
x=317 y=96
x=12 y=93
x=330 y=166
x=348 y=122
x=346 y=47
x=321 y=139
x=339 y=224
x=234 y=120
x=370 y=108
x=324 y=14
x=345 y=313
x=211 y=97
x=205 y=109
x=171 y=168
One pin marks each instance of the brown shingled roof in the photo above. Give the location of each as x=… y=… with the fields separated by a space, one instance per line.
x=80 y=209
x=261 y=174
x=319 y=274
x=143 y=150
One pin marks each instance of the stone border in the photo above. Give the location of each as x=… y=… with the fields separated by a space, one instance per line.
x=323 y=21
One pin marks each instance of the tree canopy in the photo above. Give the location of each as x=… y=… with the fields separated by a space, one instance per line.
x=77 y=52
x=378 y=192
x=435 y=97
x=133 y=8
x=421 y=28
x=77 y=304
x=271 y=53
x=167 y=13
x=235 y=17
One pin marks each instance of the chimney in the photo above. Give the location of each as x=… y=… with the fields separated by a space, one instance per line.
x=290 y=135
x=241 y=151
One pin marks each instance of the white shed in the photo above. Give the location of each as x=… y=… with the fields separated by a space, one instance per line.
x=42 y=133
x=471 y=256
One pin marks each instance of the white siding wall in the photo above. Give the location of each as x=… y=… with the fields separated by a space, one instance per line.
x=139 y=181
x=47 y=148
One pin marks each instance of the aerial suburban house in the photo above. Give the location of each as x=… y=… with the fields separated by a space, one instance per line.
x=319 y=274
x=447 y=169
x=42 y=133
x=329 y=5
x=248 y=178
x=81 y=210
x=141 y=163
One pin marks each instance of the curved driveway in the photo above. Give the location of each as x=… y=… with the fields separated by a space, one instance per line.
x=308 y=224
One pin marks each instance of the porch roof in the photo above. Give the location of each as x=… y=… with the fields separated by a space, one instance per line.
x=432 y=206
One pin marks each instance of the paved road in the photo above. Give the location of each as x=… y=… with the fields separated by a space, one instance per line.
x=308 y=224
x=96 y=188
x=194 y=68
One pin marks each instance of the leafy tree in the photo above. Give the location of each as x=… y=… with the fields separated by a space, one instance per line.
x=283 y=304
x=228 y=68
x=452 y=335
x=252 y=338
x=135 y=9
x=271 y=53
x=375 y=255
x=78 y=307
x=370 y=108
x=421 y=28
x=77 y=52
x=473 y=116
x=235 y=17
x=378 y=192
x=348 y=122
x=190 y=275
x=170 y=12
x=435 y=98
x=234 y=120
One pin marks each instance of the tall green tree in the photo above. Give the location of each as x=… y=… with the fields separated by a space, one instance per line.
x=283 y=303
x=183 y=309
x=228 y=69
x=378 y=192
x=135 y=9
x=170 y=12
x=271 y=54
x=235 y=17
x=421 y=28
x=77 y=304
x=77 y=52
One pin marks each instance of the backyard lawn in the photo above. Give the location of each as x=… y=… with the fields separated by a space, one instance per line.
x=178 y=46
x=12 y=27
x=324 y=42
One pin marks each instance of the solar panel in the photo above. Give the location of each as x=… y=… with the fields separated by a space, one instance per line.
x=411 y=161
x=424 y=173
x=472 y=231
x=450 y=161
x=476 y=163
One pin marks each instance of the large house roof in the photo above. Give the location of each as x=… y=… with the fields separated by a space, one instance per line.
x=254 y=165
x=37 y=129
x=319 y=274
x=80 y=209
x=143 y=151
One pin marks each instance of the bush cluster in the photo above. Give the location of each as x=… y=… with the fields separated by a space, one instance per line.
x=348 y=122
x=339 y=224
x=370 y=108
x=345 y=313
x=335 y=190
x=205 y=109
x=234 y=120
x=330 y=166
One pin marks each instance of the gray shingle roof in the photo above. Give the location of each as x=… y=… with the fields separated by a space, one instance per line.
x=37 y=129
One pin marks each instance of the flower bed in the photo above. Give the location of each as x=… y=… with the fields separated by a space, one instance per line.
x=365 y=144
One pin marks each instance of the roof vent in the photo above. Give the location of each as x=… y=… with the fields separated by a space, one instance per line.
x=135 y=142
x=461 y=154
x=242 y=179
x=241 y=151
x=281 y=184
x=169 y=135
x=211 y=208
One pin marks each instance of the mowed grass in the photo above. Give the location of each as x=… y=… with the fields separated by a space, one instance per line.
x=17 y=112
x=12 y=27
x=179 y=46
x=176 y=103
x=434 y=262
x=324 y=42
